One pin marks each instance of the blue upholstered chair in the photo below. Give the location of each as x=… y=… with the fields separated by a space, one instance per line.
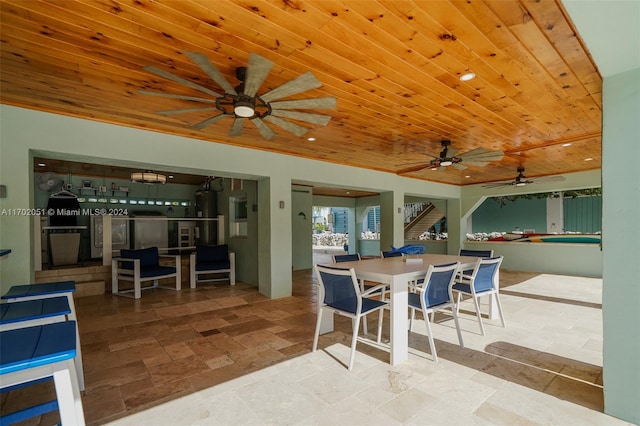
x=483 y=281
x=214 y=261
x=474 y=253
x=338 y=258
x=143 y=265
x=434 y=294
x=382 y=292
x=390 y=253
x=339 y=292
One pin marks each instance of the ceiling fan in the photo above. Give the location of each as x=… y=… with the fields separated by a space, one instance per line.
x=522 y=180
x=242 y=101
x=448 y=157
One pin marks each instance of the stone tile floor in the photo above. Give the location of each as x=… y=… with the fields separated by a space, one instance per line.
x=229 y=356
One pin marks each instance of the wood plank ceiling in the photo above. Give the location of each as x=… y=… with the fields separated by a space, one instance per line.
x=393 y=66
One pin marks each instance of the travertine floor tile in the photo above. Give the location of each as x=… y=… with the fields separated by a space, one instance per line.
x=229 y=356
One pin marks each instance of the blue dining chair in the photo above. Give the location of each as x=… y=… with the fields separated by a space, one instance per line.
x=383 y=292
x=339 y=293
x=390 y=253
x=474 y=253
x=435 y=294
x=481 y=282
x=338 y=258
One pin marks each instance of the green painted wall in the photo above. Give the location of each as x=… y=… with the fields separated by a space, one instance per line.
x=620 y=239
x=521 y=213
x=583 y=214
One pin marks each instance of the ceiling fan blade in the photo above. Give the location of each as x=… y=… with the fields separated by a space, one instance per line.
x=257 y=70
x=498 y=184
x=314 y=103
x=287 y=125
x=209 y=121
x=184 y=111
x=302 y=83
x=459 y=166
x=181 y=80
x=546 y=179
x=413 y=169
x=451 y=152
x=236 y=128
x=320 y=119
x=172 y=96
x=203 y=62
x=264 y=130
x=481 y=155
x=476 y=163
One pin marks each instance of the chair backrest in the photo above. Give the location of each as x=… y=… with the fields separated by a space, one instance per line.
x=484 y=272
x=338 y=288
x=477 y=253
x=390 y=253
x=209 y=254
x=149 y=257
x=337 y=258
x=437 y=284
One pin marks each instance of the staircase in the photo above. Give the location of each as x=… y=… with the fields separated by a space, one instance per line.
x=421 y=218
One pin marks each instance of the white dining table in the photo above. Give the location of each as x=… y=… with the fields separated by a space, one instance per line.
x=397 y=272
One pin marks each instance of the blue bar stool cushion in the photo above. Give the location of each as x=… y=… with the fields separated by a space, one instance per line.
x=34 y=310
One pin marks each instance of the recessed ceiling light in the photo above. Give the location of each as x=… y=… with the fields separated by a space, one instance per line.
x=566 y=144
x=170 y=176
x=467 y=176
x=348 y=192
x=467 y=76
x=311 y=139
x=41 y=164
x=588 y=159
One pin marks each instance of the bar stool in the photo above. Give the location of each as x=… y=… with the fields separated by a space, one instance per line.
x=29 y=355
x=28 y=292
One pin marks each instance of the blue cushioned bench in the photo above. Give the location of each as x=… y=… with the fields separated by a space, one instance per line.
x=30 y=354
x=41 y=292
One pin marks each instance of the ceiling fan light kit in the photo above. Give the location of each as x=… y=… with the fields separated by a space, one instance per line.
x=242 y=102
x=244 y=107
x=148 y=177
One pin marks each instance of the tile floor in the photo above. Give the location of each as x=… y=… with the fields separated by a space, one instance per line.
x=224 y=355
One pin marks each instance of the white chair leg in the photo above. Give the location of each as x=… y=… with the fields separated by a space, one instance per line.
x=317 y=333
x=380 y=319
x=354 y=341
x=411 y=318
x=457 y=322
x=459 y=298
x=365 y=330
x=500 y=309
x=477 y=305
x=178 y=274
x=432 y=344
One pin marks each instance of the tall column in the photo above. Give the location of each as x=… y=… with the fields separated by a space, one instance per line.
x=274 y=237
